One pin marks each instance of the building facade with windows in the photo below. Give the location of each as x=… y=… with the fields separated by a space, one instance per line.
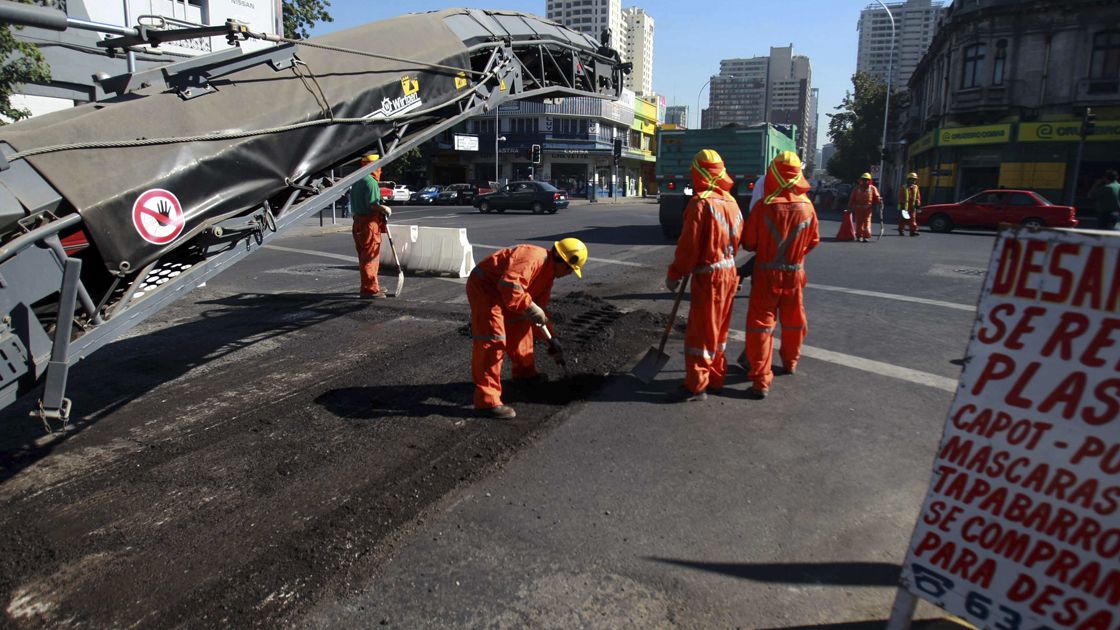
x=637 y=47
x=589 y=17
x=677 y=115
x=915 y=24
x=776 y=89
x=75 y=58
x=999 y=98
x=577 y=138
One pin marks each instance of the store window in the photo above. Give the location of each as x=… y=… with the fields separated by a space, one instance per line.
x=999 y=65
x=1104 y=70
x=970 y=69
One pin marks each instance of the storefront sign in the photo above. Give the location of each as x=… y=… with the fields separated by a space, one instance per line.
x=923 y=144
x=1069 y=131
x=465 y=142
x=988 y=134
x=1020 y=527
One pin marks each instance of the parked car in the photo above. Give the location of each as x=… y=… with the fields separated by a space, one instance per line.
x=401 y=194
x=425 y=195
x=386 y=189
x=992 y=207
x=539 y=197
x=457 y=195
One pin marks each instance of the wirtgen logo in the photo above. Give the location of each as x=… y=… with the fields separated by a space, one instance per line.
x=402 y=104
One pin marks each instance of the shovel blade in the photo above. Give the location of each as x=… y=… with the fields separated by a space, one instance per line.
x=650 y=366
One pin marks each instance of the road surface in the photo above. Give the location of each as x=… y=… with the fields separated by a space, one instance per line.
x=271 y=450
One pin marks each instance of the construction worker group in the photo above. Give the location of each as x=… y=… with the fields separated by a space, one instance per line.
x=509 y=290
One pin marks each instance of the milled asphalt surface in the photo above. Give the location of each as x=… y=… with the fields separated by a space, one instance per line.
x=793 y=512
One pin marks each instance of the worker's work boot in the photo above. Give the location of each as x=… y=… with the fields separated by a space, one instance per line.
x=755 y=393
x=683 y=394
x=501 y=412
x=788 y=370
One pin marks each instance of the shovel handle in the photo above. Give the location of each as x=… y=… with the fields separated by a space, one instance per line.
x=673 y=315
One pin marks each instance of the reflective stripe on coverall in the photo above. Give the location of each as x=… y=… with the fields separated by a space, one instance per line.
x=706 y=249
x=861 y=203
x=782 y=233
x=910 y=200
x=499 y=290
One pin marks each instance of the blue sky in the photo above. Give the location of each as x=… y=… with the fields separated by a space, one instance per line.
x=691 y=37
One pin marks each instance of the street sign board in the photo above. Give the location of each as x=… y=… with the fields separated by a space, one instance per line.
x=1020 y=527
x=465 y=142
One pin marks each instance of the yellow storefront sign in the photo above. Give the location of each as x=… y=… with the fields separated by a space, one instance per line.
x=962 y=136
x=1068 y=131
x=1033 y=175
x=923 y=144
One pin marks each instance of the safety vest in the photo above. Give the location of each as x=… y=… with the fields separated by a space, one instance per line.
x=911 y=197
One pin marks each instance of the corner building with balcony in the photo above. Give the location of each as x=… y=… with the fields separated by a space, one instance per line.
x=998 y=99
x=577 y=138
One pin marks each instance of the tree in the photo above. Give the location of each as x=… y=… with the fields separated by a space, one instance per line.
x=856 y=129
x=301 y=15
x=22 y=63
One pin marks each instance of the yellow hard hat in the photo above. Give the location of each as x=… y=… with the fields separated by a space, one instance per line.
x=865 y=176
x=789 y=158
x=574 y=252
x=369 y=158
x=911 y=176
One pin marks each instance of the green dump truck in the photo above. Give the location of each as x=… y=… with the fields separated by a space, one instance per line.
x=746 y=152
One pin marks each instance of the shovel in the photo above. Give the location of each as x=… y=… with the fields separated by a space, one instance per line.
x=397 y=262
x=651 y=364
x=558 y=352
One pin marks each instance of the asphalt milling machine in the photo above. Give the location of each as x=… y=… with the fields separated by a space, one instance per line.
x=112 y=210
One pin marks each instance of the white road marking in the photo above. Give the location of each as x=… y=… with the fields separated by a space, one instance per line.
x=312 y=252
x=607 y=261
x=868 y=365
x=894 y=296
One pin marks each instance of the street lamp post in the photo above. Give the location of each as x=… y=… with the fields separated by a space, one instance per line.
x=497 y=139
x=887 y=107
x=701 y=91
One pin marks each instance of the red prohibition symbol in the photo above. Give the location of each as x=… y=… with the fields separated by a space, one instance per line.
x=158 y=217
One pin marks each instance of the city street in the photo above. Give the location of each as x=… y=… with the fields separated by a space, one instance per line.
x=271 y=450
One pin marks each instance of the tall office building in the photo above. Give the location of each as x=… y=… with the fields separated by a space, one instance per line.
x=677 y=115
x=915 y=24
x=590 y=17
x=636 y=45
x=774 y=89
x=811 y=152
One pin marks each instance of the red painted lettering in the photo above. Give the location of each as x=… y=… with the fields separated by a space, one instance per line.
x=1072 y=326
x=999 y=327
x=1111 y=403
x=1030 y=267
x=1091 y=285
x=1008 y=267
x=1064 y=276
x=1015 y=397
x=1068 y=393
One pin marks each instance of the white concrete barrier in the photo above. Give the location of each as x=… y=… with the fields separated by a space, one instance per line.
x=442 y=250
x=430 y=249
x=404 y=239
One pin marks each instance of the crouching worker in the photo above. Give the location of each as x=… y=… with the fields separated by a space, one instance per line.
x=706 y=252
x=508 y=292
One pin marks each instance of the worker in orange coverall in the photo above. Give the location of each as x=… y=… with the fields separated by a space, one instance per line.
x=863 y=200
x=370 y=217
x=909 y=201
x=781 y=230
x=508 y=292
x=706 y=250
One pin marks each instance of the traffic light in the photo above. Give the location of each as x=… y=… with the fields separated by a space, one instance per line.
x=535 y=154
x=617 y=148
x=1088 y=123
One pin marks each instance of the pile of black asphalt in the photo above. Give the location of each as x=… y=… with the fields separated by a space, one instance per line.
x=265 y=450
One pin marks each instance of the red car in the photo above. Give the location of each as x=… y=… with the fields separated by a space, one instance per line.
x=992 y=207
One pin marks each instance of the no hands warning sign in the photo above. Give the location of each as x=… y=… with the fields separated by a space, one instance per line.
x=158 y=216
x=1021 y=525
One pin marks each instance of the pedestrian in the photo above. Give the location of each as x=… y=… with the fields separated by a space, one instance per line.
x=863 y=201
x=1106 y=197
x=370 y=217
x=909 y=204
x=781 y=230
x=706 y=251
x=508 y=292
